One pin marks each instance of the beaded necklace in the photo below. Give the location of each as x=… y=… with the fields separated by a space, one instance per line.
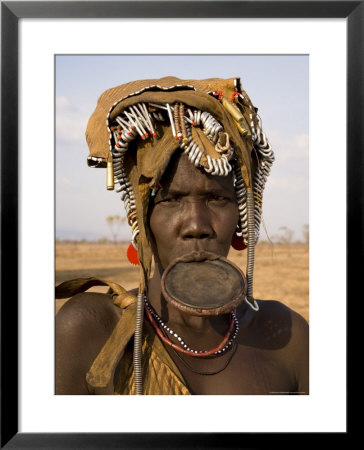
x=158 y=325
x=210 y=372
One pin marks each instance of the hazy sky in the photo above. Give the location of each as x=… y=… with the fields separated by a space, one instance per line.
x=276 y=84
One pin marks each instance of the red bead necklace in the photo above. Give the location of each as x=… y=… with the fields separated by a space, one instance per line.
x=223 y=346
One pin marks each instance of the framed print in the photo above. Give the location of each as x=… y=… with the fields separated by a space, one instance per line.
x=34 y=34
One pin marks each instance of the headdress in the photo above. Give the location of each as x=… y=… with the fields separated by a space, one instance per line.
x=137 y=127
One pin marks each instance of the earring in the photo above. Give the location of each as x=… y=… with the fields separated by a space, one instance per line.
x=237 y=241
x=132 y=255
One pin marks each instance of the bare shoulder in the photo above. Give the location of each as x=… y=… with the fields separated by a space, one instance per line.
x=275 y=310
x=83 y=325
x=286 y=331
x=88 y=309
x=281 y=322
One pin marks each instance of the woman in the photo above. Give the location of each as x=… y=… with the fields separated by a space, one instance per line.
x=191 y=161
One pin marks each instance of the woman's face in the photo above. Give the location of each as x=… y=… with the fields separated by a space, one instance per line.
x=192 y=211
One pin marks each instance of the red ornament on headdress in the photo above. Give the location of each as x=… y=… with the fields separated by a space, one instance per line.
x=132 y=255
x=233 y=96
x=237 y=242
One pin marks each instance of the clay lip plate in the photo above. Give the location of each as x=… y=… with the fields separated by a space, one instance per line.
x=203 y=283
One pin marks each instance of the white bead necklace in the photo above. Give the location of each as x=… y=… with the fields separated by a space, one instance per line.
x=169 y=330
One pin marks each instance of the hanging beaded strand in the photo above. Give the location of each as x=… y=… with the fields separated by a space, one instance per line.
x=241 y=199
x=183 y=122
x=131 y=122
x=176 y=120
x=265 y=157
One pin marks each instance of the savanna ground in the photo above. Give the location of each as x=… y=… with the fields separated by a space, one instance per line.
x=281 y=270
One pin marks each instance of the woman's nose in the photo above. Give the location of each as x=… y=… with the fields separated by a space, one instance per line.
x=196 y=221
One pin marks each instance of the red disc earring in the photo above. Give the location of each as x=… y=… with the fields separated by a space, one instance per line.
x=132 y=255
x=237 y=242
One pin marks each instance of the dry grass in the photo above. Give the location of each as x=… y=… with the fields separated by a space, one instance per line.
x=281 y=271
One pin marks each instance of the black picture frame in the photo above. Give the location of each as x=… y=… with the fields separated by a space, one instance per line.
x=11 y=13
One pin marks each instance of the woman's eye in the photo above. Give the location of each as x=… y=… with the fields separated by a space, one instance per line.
x=218 y=198
x=168 y=200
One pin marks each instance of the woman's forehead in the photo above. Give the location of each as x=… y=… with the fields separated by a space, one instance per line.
x=181 y=174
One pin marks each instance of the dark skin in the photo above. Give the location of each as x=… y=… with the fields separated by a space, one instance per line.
x=192 y=211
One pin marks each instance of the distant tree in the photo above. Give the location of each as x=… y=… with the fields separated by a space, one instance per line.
x=286 y=235
x=115 y=223
x=306 y=233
